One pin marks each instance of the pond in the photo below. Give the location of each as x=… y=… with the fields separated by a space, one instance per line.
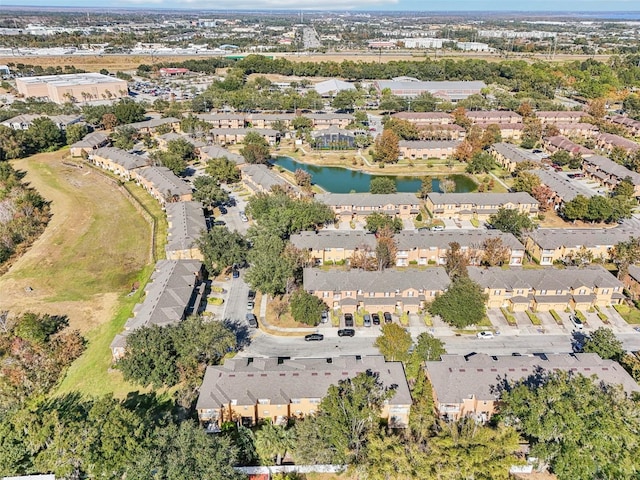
x=344 y=180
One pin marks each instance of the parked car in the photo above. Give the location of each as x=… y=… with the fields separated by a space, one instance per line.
x=387 y=317
x=348 y=320
x=346 y=332
x=314 y=337
x=250 y=305
x=219 y=223
x=222 y=210
x=485 y=334
x=324 y=317
x=252 y=295
x=367 y=320
x=576 y=322
x=375 y=318
x=236 y=273
x=243 y=217
x=252 y=320
x=437 y=228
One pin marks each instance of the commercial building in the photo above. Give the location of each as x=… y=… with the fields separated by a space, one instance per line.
x=470 y=385
x=446 y=90
x=73 y=88
x=252 y=390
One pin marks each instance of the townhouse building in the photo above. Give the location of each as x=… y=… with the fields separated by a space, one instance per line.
x=89 y=143
x=254 y=390
x=232 y=136
x=334 y=246
x=556 y=117
x=558 y=142
x=150 y=126
x=357 y=206
x=118 y=161
x=325 y=120
x=448 y=131
x=548 y=288
x=210 y=152
x=186 y=225
x=422 y=119
x=423 y=149
x=262 y=179
x=223 y=120
x=508 y=131
x=508 y=156
x=609 y=173
x=550 y=245
x=609 y=141
x=478 y=206
x=632 y=282
x=269 y=120
x=24 y=121
x=587 y=130
x=163 y=185
x=163 y=141
x=632 y=126
x=564 y=190
x=392 y=290
x=431 y=248
x=494 y=116
x=470 y=385
x=173 y=293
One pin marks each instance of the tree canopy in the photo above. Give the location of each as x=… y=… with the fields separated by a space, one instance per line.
x=394 y=343
x=511 y=221
x=381 y=185
x=222 y=248
x=306 y=308
x=463 y=303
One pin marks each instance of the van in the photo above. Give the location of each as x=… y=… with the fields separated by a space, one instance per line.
x=252 y=320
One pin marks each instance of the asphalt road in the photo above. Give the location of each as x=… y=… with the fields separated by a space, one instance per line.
x=265 y=345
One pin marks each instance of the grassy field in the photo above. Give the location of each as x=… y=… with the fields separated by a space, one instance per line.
x=95 y=248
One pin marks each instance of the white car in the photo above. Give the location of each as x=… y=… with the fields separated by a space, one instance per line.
x=485 y=334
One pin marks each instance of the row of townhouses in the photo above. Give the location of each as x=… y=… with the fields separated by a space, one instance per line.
x=409 y=291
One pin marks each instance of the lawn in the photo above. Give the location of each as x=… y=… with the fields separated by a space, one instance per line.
x=629 y=314
x=153 y=208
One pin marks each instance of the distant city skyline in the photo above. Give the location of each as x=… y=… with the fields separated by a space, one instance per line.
x=571 y=6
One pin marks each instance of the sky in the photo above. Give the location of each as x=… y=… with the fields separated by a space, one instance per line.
x=398 y=5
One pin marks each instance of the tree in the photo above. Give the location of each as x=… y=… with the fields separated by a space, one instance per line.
x=425 y=102
x=313 y=442
x=302 y=178
x=271 y=271
x=584 y=429
x=386 y=248
x=456 y=261
x=387 y=149
x=302 y=125
x=256 y=149
x=109 y=121
x=525 y=165
x=446 y=185
x=624 y=188
x=492 y=134
x=208 y=191
x=576 y=209
x=382 y=185
x=544 y=195
x=426 y=187
x=43 y=135
x=428 y=348
x=597 y=108
x=223 y=170
x=511 y=221
x=76 y=132
x=624 y=254
x=404 y=129
x=495 y=252
x=172 y=161
x=463 y=303
x=181 y=148
x=349 y=412
x=378 y=221
x=599 y=209
x=345 y=100
x=124 y=137
x=306 y=308
x=460 y=117
x=561 y=157
x=164 y=356
x=481 y=162
x=604 y=342
x=532 y=132
x=273 y=442
x=128 y=111
x=525 y=182
x=222 y=249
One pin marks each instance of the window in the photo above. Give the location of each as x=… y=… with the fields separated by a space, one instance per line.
x=558 y=292
x=582 y=291
x=295 y=400
x=496 y=292
x=234 y=402
x=410 y=293
x=348 y=294
x=325 y=294
x=605 y=291
x=264 y=401
x=387 y=294
x=543 y=292
x=519 y=292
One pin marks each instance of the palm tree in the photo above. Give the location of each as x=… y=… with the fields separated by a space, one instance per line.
x=273 y=441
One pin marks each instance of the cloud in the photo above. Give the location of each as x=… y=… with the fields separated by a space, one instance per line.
x=270 y=4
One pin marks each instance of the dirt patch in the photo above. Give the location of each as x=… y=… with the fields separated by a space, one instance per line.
x=87 y=257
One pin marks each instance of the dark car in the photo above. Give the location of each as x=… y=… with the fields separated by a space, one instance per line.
x=348 y=320
x=252 y=295
x=375 y=318
x=387 y=317
x=222 y=210
x=236 y=273
x=314 y=337
x=346 y=332
x=252 y=320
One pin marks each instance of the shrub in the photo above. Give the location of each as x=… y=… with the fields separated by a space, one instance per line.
x=533 y=317
x=511 y=320
x=340 y=262
x=215 y=301
x=413 y=262
x=431 y=262
x=419 y=217
x=217 y=289
x=581 y=316
x=556 y=317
